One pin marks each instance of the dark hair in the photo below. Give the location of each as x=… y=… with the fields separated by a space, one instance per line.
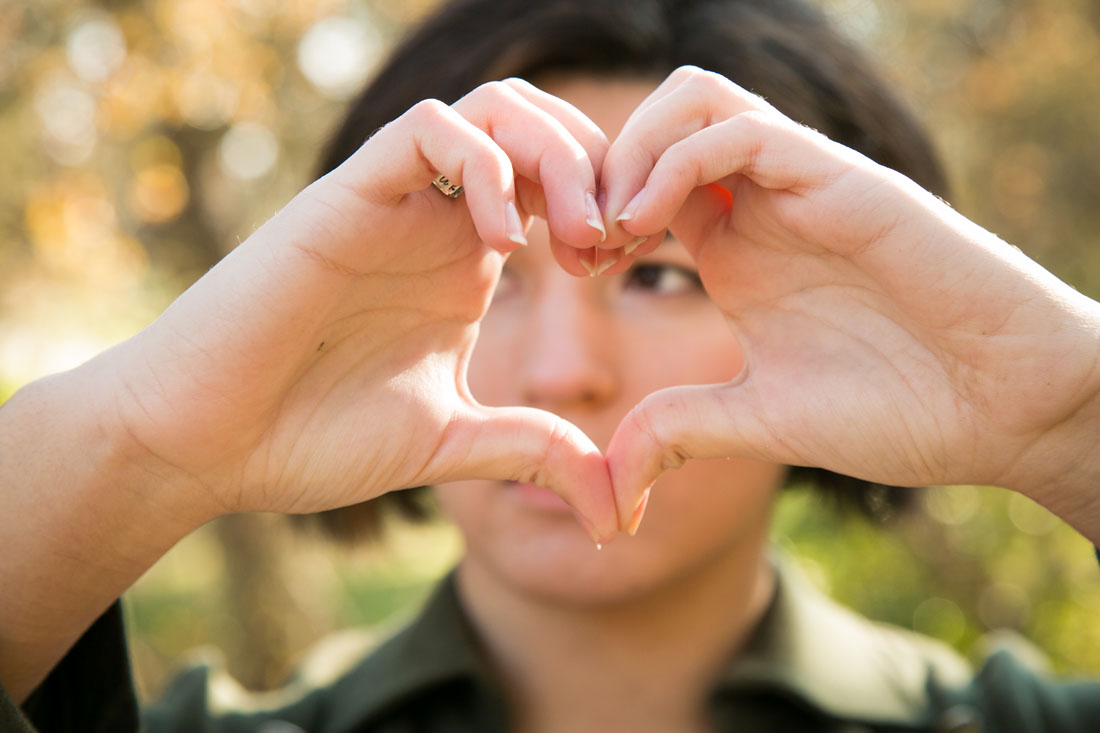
x=784 y=50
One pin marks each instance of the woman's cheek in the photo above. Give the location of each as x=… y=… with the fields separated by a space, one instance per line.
x=495 y=360
x=686 y=342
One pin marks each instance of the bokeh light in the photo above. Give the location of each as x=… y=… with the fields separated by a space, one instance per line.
x=952 y=504
x=247 y=151
x=206 y=99
x=67 y=115
x=337 y=53
x=158 y=193
x=1029 y=517
x=95 y=47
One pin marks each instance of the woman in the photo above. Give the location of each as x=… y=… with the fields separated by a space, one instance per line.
x=331 y=359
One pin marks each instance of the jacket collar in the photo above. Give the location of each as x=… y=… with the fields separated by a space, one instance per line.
x=806 y=647
x=438 y=647
x=814 y=650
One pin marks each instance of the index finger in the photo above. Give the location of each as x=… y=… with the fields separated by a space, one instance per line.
x=584 y=131
x=688 y=101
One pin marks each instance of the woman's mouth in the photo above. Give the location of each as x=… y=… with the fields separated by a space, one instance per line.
x=538 y=497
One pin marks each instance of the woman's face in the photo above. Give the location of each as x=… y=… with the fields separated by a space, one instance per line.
x=589 y=349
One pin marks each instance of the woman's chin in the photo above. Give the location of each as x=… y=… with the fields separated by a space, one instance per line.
x=562 y=566
x=527 y=539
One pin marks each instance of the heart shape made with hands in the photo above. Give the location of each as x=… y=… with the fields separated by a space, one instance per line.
x=665 y=170
x=881 y=332
x=849 y=288
x=680 y=182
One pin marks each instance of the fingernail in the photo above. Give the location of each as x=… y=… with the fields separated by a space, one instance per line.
x=592 y=214
x=589 y=266
x=612 y=258
x=636 y=520
x=512 y=224
x=631 y=208
x=629 y=248
x=589 y=528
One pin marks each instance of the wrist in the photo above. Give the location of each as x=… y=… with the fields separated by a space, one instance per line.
x=83 y=519
x=110 y=484
x=1061 y=470
x=145 y=484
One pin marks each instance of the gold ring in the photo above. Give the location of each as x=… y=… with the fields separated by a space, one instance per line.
x=446 y=187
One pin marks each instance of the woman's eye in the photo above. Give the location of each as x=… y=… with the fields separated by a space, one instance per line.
x=662 y=279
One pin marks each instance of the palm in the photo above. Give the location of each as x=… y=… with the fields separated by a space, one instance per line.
x=863 y=358
x=320 y=382
x=324 y=361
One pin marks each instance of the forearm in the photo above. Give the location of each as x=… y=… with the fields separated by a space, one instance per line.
x=83 y=517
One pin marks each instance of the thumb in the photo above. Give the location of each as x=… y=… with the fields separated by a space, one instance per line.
x=533 y=446
x=672 y=425
x=705 y=207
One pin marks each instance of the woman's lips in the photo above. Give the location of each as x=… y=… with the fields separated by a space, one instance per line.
x=538 y=497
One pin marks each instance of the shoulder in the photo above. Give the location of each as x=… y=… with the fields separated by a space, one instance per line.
x=423 y=671
x=1012 y=694
x=205 y=697
x=874 y=676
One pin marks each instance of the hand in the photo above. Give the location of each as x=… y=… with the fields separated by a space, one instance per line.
x=323 y=362
x=885 y=336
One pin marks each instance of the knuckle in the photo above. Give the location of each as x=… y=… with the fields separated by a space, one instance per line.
x=679 y=165
x=642 y=157
x=493 y=92
x=642 y=418
x=518 y=84
x=666 y=446
x=537 y=470
x=686 y=72
x=559 y=437
x=674 y=456
x=427 y=111
x=756 y=121
x=708 y=82
x=701 y=81
x=485 y=157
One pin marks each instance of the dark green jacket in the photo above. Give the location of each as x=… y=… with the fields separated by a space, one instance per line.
x=811 y=665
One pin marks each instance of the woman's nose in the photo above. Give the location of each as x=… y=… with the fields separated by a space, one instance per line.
x=568 y=354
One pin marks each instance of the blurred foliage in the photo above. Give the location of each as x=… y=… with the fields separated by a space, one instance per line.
x=144 y=138
x=1010 y=90
x=966 y=561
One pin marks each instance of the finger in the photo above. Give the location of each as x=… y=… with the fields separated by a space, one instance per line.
x=673 y=425
x=584 y=131
x=571 y=258
x=530 y=198
x=533 y=446
x=690 y=100
x=431 y=138
x=676 y=79
x=673 y=81
x=705 y=207
x=764 y=147
x=595 y=143
x=670 y=82
x=600 y=261
x=533 y=202
x=568 y=257
x=542 y=149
